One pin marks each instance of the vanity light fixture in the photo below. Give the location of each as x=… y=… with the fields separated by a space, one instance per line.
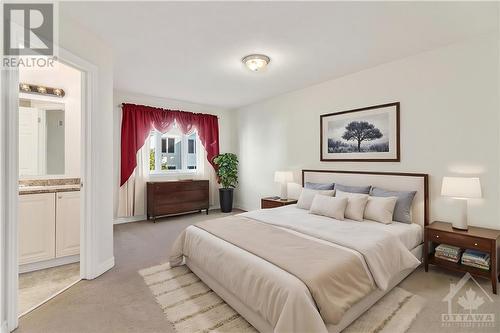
x=41 y=90
x=25 y=87
x=256 y=62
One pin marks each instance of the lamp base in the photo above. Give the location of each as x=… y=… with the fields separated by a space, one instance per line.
x=461 y=222
x=284 y=191
x=460 y=228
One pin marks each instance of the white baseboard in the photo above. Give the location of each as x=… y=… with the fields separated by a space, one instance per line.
x=104 y=267
x=128 y=219
x=241 y=206
x=35 y=266
x=139 y=218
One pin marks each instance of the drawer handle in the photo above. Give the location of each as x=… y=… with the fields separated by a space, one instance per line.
x=437 y=236
x=475 y=244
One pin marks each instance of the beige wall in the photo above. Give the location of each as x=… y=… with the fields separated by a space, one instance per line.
x=449 y=125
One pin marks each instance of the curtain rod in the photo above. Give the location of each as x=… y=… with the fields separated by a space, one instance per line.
x=121 y=105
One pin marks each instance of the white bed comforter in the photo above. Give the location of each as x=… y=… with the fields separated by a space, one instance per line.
x=277 y=296
x=384 y=253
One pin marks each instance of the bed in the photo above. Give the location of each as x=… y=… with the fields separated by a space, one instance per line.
x=274 y=300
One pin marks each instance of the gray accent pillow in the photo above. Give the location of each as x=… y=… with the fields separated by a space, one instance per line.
x=353 y=189
x=319 y=186
x=402 y=210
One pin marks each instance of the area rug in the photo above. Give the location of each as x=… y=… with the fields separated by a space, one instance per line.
x=191 y=306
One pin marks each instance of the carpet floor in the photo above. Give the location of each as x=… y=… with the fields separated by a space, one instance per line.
x=119 y=300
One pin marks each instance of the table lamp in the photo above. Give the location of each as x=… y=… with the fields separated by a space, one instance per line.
x=283 y=177
x=461 y=189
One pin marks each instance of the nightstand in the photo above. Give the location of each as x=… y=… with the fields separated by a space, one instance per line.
x=273 y=203
x=481 y=239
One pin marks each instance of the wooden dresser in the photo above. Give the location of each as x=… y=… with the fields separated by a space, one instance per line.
x=176 y=197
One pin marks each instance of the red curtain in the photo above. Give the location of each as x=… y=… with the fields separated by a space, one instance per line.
x=139 y=120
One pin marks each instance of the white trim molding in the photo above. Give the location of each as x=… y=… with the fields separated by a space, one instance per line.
x=129 y=219
x=104 y=267
x=48 y=263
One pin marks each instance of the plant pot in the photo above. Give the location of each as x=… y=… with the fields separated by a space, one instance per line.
x=226 y=199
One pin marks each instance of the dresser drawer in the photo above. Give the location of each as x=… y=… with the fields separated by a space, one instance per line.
x=269 y=204
x=468 y=242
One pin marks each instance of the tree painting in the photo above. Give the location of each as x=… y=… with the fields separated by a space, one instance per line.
x=361 y=131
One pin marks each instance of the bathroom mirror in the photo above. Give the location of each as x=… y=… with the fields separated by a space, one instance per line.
x=41 y=138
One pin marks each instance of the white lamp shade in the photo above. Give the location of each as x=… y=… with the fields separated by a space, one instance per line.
x=461 y=187
x=283 y=177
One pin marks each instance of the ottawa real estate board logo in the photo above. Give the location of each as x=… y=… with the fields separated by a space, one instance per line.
x=28 y=35
x=465 y=301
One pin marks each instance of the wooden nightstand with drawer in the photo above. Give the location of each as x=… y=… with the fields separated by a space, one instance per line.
x=481 y=239
x=273 y=202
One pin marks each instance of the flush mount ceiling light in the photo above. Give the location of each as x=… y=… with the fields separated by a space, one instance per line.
x=256 y=62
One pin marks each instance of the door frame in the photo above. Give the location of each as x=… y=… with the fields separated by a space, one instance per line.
x=88 y=236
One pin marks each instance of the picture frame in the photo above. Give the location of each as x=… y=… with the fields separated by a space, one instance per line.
x=369 y=134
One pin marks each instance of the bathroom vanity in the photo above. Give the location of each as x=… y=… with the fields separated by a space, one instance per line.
x=49 y=223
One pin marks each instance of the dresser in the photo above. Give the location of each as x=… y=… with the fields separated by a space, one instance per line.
x=176 y=197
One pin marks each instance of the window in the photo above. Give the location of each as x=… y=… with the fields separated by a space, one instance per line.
x=172 y=152
x=191 y=146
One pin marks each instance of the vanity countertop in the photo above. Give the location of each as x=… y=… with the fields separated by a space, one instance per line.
x=49 y=186
x=48 y=189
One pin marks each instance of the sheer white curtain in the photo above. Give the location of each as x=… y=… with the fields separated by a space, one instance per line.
x=206 y=171
x=132 y=195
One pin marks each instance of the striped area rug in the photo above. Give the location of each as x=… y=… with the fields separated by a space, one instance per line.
x=191 y=306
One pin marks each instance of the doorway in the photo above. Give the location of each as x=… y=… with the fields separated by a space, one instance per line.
x=90 y=265
x=50 y=122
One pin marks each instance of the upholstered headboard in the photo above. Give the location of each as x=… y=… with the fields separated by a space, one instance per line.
x=388 y=180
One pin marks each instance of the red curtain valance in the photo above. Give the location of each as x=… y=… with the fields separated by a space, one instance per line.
x=139 y=120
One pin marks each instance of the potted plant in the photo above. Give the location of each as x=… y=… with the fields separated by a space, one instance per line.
x=227 y=176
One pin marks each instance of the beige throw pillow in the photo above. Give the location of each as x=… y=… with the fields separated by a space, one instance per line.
x=380 y=209
x=356 y=203
x=328 y=206
x=307 y=195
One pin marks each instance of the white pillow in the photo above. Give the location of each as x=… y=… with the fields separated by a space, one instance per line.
x=356 y=203
x=380 y=209
x=328 y=206
x=307 y=196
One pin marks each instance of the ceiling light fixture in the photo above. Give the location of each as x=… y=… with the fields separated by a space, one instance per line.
x=256 y=62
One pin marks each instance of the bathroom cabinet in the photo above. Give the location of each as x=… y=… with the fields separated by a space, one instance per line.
x=37 y=227
x=67 y=224
x=49 y=226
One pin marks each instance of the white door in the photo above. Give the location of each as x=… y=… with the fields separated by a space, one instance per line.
x=67 y=224
x=36 y=227
x=28 y=141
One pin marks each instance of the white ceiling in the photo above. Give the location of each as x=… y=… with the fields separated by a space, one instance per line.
x=191 y=51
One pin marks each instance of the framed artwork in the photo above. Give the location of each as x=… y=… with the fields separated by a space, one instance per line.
x=369 y=134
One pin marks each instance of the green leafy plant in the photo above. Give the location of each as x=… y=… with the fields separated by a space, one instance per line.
x=227 y=169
